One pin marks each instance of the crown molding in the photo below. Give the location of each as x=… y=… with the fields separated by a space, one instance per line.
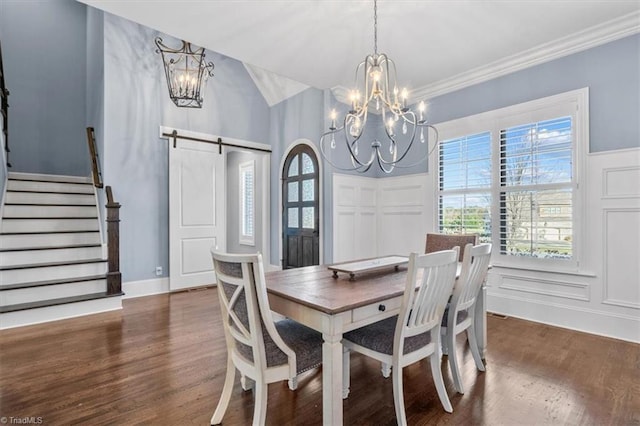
x=597 y=35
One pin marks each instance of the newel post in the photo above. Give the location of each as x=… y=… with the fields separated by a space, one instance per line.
x=114 y=277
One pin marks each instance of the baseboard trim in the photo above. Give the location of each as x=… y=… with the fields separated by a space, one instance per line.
x=133 y=289
x=269 y=267
x=591 y=321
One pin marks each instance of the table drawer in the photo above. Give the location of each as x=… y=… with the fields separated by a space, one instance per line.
x=381 y=309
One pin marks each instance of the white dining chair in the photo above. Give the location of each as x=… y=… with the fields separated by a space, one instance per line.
x=414 y=333
x=459 y=315
x=261 y=349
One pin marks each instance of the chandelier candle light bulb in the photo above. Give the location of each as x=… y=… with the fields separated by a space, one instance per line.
x=376 y=80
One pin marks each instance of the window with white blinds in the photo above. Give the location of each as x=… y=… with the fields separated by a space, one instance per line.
x=511 y=176
x=247 y=203
x=465 y=185
x=536 y=181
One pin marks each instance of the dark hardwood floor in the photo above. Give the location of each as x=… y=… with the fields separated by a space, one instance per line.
x=162 y=361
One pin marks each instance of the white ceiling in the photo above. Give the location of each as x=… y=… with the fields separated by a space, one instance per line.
x=436 y=44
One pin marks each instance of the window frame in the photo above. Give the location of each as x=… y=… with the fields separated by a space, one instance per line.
x=244 y=237
x=575 y=104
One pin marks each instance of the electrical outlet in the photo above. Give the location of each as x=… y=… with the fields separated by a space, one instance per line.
x=158 y=271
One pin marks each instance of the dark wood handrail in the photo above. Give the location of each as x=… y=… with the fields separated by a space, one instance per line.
x=4 y=108
x=114 y=277
x=95 y=162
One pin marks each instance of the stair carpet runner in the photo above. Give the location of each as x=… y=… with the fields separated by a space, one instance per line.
x=51 y=250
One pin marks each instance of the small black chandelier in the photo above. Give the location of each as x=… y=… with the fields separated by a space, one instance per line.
x=186 y=72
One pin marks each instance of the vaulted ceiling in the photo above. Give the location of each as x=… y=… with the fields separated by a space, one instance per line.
x=438 y=45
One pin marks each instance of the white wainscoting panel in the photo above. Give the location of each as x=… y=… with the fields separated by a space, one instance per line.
x=344 y=238
x=376 y=217
x=403 y=214
x=621 y=182
x=548 y=287
x=622 y=260
x=354 y=217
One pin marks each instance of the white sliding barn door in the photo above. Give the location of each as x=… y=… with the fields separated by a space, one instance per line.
x=196 y=212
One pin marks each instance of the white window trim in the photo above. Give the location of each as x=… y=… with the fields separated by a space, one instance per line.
x=498 y=119
x=247 y=166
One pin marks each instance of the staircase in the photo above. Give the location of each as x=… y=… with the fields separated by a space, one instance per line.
x=53 y=264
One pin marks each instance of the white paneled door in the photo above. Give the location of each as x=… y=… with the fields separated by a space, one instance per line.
x=196 y=212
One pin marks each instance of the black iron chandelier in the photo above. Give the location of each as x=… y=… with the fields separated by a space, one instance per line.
x=378 y=93
x=186 y=71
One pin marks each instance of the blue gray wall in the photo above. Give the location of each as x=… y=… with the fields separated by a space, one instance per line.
x=136 y=104
x=611 y=71
x=299 y=117
x=43 y=43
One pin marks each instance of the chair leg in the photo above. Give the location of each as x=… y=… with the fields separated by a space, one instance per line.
x=398 y=395
x=260 y=408
x=346 y=374
x=439 y=382
x=246 y=383
x=386 y=370
x=293 y=383
x=216 y=419
x=453 y=361
x=443 y=341
x=473 y=343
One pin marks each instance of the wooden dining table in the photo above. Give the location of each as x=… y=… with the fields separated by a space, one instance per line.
x=334 y=305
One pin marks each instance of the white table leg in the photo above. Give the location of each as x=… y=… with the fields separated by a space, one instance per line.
x=332 y=380
x=480 y=318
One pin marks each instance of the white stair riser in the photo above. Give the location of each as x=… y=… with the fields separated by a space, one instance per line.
x=49 y=225
x=49 y=240
x=49 y=198
x=18 y=276
x=58 y=312
x=48 y=178
x=50 y=211
x=35 y=294
x=25 y=257
x=23 y=185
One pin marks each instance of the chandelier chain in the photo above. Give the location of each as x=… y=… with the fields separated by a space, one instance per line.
x=375 y=27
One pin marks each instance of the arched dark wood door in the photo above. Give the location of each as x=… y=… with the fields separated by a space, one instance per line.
x=300 y=209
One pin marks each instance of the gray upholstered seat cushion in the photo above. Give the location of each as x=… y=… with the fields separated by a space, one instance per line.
x=305 y=342
x=379 y=337
x=462 y=315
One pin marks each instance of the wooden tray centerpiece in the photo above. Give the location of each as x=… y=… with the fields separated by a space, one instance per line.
x=367 y=265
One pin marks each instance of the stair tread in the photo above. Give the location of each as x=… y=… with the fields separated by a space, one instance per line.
x=54 y=302
x=36 y=177
x=68 y=246
x=47 y=264
x=52 y=282
x=49 y=232
x=50 y=217
x=50 y=204
x=34 y=191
